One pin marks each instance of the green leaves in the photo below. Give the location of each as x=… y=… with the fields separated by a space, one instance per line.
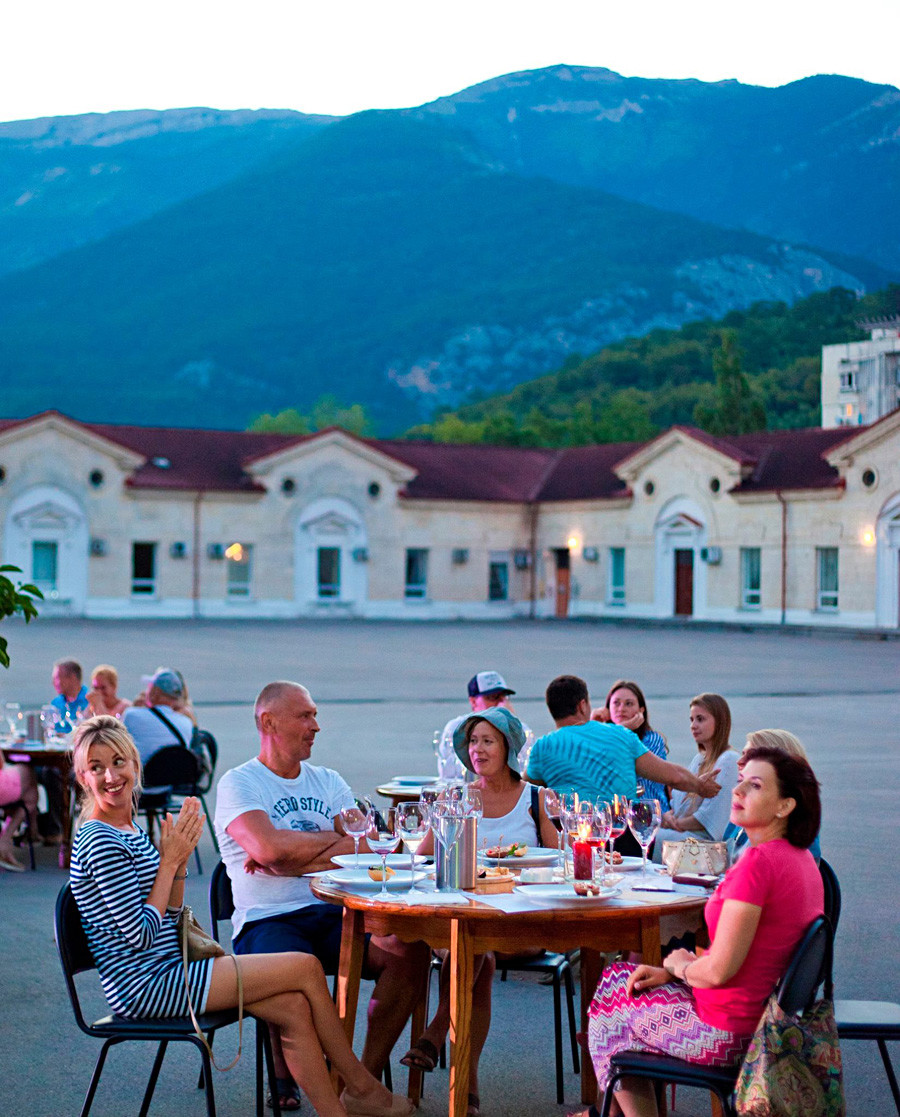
x=15 y=598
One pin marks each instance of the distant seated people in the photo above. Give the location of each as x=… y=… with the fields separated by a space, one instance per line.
x=17 y=783
x=160 y=722
x=103 y=697
x=704 y=819
x=71 y=697
x=182 y=704
x=625 y=705
x=487 y=689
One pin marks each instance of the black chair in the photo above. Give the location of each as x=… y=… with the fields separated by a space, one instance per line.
x=167 y=770
x=871 y=1020
x=75 y=957
x=203 y=785
x=809 y=968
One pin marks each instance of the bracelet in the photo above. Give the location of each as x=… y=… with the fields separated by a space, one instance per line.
x=183 y=876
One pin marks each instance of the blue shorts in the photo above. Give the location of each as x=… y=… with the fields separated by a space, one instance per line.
x=312 y=930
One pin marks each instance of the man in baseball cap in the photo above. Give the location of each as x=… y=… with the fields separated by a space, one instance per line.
x=486 y=690
x=489 y=686
x=160 y=722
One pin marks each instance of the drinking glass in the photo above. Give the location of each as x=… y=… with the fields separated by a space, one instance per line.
x=355 y=820
x=412 y=818
x=569 y=802
x=644 y=817
x=601 y=823
x=618 y=818
x=383 y=836
x=15 y=718
x=51 y=721
x=472 y=801
x=446 y=822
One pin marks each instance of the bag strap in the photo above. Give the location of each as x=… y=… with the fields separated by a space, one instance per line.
x=162 y=717
x=536 y=811
x=240 y=1004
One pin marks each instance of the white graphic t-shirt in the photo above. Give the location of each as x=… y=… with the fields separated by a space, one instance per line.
x=307 y=804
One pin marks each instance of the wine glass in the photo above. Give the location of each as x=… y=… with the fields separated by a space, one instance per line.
x=472 y=801
x=446 y=822
x=14 y=718
x=383 y=836
x=355 y=819
x=412 y=818
x=601 y=824
x=644 y=817
x=618 y=818
x=553 y=810
x=569 y=801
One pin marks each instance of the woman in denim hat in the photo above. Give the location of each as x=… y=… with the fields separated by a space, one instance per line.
x=488 y=744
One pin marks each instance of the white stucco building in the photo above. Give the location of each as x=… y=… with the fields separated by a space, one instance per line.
x=861 y=379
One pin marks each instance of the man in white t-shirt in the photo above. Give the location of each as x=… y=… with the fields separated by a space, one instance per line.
x=486 y=690
x=277 y=818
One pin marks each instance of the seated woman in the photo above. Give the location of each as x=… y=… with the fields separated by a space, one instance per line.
x=129 y=895
x=488 y=743
x=705 y=819
x=706 y=1009
x=103 y=696
x=17 y=782
x=625 y=705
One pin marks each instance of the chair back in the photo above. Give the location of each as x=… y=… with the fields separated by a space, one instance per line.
x=173 y=764
x=832 y=894
x=221 y=900
x=71 y=943
x=809 y=967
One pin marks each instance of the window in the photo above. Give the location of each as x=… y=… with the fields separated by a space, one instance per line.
x=498 y=578
x=44 y=562
x=143 y=569
x=848 y=381
x=616 y=594
x=329 y=572
x=750 y=577
x=826 y=577
x=416 y=572
x=237 y=569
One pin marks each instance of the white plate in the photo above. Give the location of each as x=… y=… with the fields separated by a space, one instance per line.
x=360 y=879
x=630 y=864
x=561 y=895
x=528 y=861
x=395 y=860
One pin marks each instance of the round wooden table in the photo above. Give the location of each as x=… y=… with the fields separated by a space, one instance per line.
x=48 y=756
x=508 y=923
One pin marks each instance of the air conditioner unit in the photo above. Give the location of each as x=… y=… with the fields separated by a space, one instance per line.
x=711 y=555
x=215 y=551
x=591 y=554
x=522 y=560
x=460 y=556
x=360 y=554
x=98 y=548
x=178 y=551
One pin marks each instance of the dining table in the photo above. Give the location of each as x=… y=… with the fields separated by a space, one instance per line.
x=470 y=923
x=56 y=755
x=404 y=789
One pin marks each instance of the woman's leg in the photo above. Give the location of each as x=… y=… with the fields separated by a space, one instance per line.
x=481 y=1016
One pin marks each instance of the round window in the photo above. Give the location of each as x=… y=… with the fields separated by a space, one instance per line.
x=714 y=484
x=869 y=478
x=2 y=474
x=288 y=485
x=96 y=478
x=649 y=488
x=374 y=490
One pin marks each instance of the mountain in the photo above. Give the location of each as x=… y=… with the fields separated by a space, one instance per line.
x=813 y=162
x=387 y=260
x=69 y=180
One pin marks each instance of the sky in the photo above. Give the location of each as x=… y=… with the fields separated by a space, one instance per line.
x=341 y=56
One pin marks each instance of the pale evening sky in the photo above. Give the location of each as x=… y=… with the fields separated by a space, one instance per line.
x=340 y=56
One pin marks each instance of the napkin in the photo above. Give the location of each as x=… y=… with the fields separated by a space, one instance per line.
x=434 y=899
x=654 y=884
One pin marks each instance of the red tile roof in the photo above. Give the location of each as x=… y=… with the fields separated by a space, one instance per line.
x=791 y=459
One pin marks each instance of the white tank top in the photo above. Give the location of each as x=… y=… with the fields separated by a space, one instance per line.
x=517 y=826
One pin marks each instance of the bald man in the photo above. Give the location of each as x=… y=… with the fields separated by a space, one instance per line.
x=277 y=818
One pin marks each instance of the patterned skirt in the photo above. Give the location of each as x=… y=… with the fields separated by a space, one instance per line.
x=663 y=1020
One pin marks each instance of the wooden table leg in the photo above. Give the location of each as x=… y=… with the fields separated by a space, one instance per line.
x=462 y=967
x=349 y=973
x=590 y=975
x=416 y=1028
x=651 y=951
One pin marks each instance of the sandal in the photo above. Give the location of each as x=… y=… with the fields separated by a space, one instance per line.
x=359 y=1107
x=288 y=1093
x=421 y=1056
x=8 y=861
x=473 y=1109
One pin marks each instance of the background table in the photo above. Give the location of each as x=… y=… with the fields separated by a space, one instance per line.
x=508 y=923
x=400 y=792
x=48 y=756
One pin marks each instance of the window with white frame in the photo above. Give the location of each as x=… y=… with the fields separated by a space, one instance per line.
x=848 y=381
x=751 y=581
x=498 y=576
x=143 y=569
x=827 y=578
x=45 y=565
x=329 y=572
x=238 y=565
x=416 y=572
x=616 y=587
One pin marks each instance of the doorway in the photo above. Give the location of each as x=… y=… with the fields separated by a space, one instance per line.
x=684 y=582
x=563 y=581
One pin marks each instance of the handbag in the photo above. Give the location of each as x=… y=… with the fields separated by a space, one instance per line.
x=197 y=944
x=695 y=857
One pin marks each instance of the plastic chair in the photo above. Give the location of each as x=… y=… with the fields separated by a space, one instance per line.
x=871 y=1020
x=810 y=966
x=75 y=957
x=168 y=769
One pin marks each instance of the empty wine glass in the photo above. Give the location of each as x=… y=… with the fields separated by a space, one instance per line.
x=601 y=823
x=383 y=836
x=644 y=817
x=472 y=801
x=618 y=818
x=15 y=718
x=412 y=818
x=569 y=801
x=355 y=819
x=553 y=810
x=446 y=822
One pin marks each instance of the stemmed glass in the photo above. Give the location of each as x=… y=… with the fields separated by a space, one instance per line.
x=446 y=821
x=553 y=810
x=644 y=818
x=618 y=822
x=383 y=835
x=355 y=819
x=413 y=820
x=472 y=802
x=601 y=824
x=569 y=817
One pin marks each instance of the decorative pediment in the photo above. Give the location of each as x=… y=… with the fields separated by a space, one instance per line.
x=127 y=460
x=722 y=456
x=308 y=448
x=46 y=516
x=884 y=430
x=330 y=523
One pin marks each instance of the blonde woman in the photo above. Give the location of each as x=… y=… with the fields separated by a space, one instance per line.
x=103 y=696
x=129 y=895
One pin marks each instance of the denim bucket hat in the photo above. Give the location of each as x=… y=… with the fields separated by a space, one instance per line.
x=508 y=724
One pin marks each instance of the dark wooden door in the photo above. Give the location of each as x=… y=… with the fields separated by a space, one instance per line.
x=563 y=581
x=684 y=583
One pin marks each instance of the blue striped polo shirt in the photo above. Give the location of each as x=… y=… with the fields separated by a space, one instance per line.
x=595 y=759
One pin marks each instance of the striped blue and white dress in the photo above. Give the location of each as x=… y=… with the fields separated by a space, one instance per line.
x=136 y=950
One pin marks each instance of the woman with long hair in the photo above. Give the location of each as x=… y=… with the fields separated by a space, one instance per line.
x=130 y=895
x=626 y=706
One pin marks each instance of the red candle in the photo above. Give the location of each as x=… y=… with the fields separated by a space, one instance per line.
x=583 y=861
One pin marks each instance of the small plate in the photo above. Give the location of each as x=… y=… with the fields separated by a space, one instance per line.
x=561 y=895
x=367 y=860
x=360 y=879
x=631 y=865
x=528 y=861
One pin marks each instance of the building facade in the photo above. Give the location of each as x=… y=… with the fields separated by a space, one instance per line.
x=781 y=527
x=861 y=379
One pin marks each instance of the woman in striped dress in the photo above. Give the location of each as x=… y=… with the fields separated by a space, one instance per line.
x=129 y=895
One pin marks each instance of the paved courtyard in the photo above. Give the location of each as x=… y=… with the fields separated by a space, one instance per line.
x=383 y=689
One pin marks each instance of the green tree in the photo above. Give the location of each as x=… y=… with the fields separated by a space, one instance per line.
x=736 y=408
x=15 y=598
x=289 y=421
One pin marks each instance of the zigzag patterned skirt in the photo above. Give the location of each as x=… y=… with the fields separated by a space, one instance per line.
x=663 y=1020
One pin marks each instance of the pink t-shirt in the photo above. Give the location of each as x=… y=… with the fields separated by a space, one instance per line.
x=785 y=882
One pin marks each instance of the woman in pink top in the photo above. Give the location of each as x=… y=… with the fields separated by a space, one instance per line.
x=706 y=1009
